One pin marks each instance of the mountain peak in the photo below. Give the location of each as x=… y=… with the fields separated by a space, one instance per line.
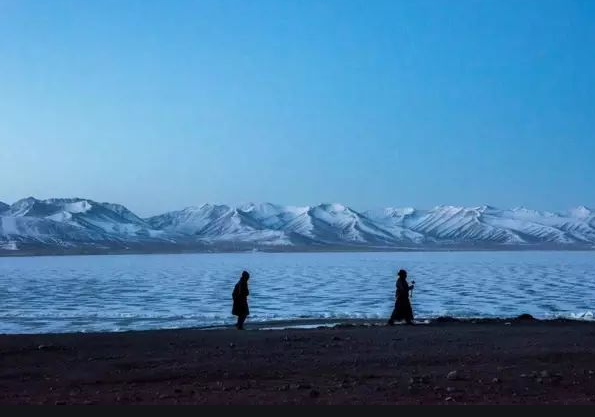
x=390 y=212
x=207 y=207
x=486 y=207
x=264 y=207
x=334 y=207
x=23 y=206
x=580 y=212
x=448 y=208
x=26 y=201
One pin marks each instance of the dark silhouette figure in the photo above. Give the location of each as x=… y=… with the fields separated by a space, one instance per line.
x=240 y=300
x=403 y=310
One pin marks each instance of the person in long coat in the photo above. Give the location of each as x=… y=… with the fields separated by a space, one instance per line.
x=402 y=310
x=240 y=300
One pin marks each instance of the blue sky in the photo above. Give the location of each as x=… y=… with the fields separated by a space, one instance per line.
x=160 y=105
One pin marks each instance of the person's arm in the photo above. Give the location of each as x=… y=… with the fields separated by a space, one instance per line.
x=235 y=292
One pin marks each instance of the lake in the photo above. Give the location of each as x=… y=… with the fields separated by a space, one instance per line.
x=132 y=292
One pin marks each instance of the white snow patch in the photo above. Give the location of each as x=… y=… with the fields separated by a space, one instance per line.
x=78 y=207
x=9 y=246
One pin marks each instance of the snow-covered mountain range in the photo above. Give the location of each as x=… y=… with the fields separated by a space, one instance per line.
x=86 y=226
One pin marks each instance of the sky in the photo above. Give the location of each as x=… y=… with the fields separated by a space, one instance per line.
x=160 y=105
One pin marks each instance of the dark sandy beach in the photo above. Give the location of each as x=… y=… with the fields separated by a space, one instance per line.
x=522 y=362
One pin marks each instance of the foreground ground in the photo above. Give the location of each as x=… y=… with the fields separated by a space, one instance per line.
x=452 y=363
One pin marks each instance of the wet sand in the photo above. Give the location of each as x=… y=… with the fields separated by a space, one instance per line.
x=517 y=362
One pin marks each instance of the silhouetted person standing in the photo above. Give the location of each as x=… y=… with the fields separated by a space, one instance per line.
x=403 y=310
x=240 y=300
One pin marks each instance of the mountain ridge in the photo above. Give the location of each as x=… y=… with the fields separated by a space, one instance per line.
x=70 y=223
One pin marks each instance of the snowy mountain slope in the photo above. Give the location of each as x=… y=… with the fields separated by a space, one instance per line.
x=71 y=220
x=394 y=220
x=464 y=224
x=31 y=229
x=74 y=221
x=491 y=225
x=265 y=222
x=445 y=224
x=578 y=222
x=217 y=223
x=335 y=223
x=530 y=225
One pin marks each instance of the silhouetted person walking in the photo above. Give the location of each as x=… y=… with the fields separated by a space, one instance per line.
x=403 y=310
x=240 y=300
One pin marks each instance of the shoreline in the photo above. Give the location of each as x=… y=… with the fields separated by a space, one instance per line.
x=520 y=361
x=327 y=250
x=326 y=323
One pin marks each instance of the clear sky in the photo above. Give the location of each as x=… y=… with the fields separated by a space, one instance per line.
x=163 y=104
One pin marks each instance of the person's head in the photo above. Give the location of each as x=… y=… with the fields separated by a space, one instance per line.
x=402 y=274
x=245 y=275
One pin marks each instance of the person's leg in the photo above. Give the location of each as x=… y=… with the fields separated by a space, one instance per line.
x=409 y=318
x=241 y=320
x=393 y=316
